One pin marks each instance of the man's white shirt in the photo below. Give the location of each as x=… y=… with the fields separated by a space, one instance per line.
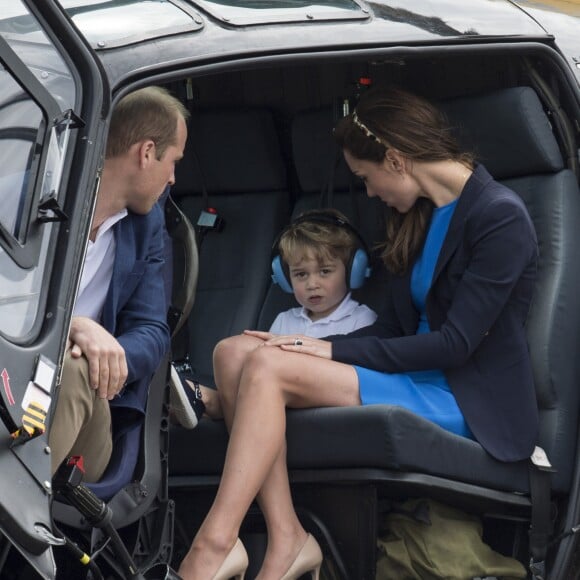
x=98 y=270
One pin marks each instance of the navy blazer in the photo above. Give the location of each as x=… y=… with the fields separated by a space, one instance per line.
x=135 y=309
x=476 y=307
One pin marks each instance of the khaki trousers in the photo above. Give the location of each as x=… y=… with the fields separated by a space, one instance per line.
x=81 y=424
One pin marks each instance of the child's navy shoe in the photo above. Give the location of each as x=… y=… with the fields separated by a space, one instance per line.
x=187 y=406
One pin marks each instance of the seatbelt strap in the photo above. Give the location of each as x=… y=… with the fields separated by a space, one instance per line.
x=540 y=472
x=208 y=219
x=327 y=192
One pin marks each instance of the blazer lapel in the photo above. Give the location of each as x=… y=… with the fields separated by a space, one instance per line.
x=452 y=240
x=454 y=235
x=125 y=255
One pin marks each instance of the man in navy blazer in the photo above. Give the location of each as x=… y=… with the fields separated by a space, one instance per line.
x=119 y=330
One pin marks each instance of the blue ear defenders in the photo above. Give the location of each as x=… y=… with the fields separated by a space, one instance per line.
x=357 y=270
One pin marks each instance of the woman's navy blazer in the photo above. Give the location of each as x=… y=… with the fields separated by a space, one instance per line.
x=476 y=307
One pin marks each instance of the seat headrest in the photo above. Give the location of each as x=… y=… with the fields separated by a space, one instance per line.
x=237 y=150
x=316 y=156
x=507 y=130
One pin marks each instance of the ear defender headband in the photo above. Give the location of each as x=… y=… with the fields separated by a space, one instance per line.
x=357 y=269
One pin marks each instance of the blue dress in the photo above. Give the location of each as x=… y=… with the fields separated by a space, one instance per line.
x=426 y=393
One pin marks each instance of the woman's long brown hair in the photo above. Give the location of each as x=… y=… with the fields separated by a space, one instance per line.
x=413 y=126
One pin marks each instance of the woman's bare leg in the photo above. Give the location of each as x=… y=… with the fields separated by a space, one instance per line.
x=229 y=358
x=284 y=529
x=271 y=380
x=231 y=354
x=286 y=535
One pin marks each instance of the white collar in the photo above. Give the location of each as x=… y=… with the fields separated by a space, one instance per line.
x=345 y=308
x=110 y=222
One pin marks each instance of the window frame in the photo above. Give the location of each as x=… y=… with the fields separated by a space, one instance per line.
x=24 y=248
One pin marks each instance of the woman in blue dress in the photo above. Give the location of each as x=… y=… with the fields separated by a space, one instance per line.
x=449 y=346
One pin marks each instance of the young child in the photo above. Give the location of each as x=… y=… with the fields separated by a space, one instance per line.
x=321 y=258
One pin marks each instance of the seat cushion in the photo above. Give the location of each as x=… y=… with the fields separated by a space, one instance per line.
x=377 y=436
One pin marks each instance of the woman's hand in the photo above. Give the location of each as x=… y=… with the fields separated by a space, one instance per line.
x=294 y=343
x=302 y=344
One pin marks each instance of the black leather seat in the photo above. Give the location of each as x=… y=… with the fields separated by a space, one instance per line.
x=353 y=456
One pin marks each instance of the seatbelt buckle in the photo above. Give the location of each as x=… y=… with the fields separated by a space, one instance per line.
x=209 y=219
x=537 y=569
x=540 y=459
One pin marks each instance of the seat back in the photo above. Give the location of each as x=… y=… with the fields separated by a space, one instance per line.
x=233 y=163
x=512 y=136
x=325 y=181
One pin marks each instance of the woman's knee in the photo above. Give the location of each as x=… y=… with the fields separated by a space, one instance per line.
x=230 y=353
x=228 y=347
x=267 y=364
x=228 y=362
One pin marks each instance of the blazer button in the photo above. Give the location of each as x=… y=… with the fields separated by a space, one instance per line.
x=487 y=333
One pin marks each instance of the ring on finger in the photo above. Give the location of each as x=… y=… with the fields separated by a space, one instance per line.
x=297 y=342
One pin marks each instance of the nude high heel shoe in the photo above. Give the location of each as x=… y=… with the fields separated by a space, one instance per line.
x=235 y=564
x=308 y=561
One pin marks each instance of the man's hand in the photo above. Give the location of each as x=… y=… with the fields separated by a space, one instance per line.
x=107 y=363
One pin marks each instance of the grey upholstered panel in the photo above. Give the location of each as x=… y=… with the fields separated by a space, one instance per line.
x=317 y=159
x=231 y=151
x=553 y=325
x=508 y=131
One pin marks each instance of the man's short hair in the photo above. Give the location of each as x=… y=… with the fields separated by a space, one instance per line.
x=148 y=113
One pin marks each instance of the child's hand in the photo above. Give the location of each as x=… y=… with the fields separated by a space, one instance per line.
x=261 y=334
